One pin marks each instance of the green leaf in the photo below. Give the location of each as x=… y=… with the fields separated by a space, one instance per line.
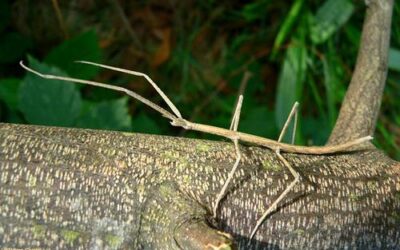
x=329 y=18
x=9 y=88
x=330 y=82
x=48 y=102
x=394 y=59
x=83 y=47
x=13 y=46
x=144 y=124
x=290 y=83
x=286 y=26
x=111 y=115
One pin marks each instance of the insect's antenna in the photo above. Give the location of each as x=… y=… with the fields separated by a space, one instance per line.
x=138 y=97
x=136 y=73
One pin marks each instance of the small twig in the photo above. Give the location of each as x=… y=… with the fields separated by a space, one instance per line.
x=126 y=22
x=245 y=80
x=220 y=85
x=60 y=18
x=243 y=84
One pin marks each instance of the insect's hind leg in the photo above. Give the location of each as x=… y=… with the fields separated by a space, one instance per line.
x=233 y=126
x=296 y=175
x=274 y=205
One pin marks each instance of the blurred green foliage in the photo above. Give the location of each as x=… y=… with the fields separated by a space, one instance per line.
x=54 y=103
x=198 y=52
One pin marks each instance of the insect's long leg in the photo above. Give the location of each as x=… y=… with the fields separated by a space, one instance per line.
x=296 y=175
x=236 y=115
x=136 y=73
x=283 y=194
x=233 y=126
x=288 y=120
x=133 y=94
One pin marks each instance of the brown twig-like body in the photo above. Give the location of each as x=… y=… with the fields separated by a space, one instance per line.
x=268 y=143
x=177 y=120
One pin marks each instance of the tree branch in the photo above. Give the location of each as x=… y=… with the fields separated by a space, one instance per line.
x=81 y=189
x=360 y=108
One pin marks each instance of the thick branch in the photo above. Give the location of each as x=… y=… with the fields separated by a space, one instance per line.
x=81 y=189
x=360 y=108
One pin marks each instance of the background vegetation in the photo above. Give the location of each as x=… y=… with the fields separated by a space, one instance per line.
x=200 y=53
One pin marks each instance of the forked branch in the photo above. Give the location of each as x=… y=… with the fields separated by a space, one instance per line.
x=360 y=107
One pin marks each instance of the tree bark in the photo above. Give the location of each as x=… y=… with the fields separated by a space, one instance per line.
x=360 y=107
x=79 y=189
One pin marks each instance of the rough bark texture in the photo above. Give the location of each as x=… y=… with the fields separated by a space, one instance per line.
x=80 y=189
x=360 y=107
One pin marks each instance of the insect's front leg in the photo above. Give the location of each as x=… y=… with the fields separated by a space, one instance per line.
x=233 y=127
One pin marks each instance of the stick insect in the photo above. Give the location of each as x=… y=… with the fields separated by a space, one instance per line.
x=177 y=120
